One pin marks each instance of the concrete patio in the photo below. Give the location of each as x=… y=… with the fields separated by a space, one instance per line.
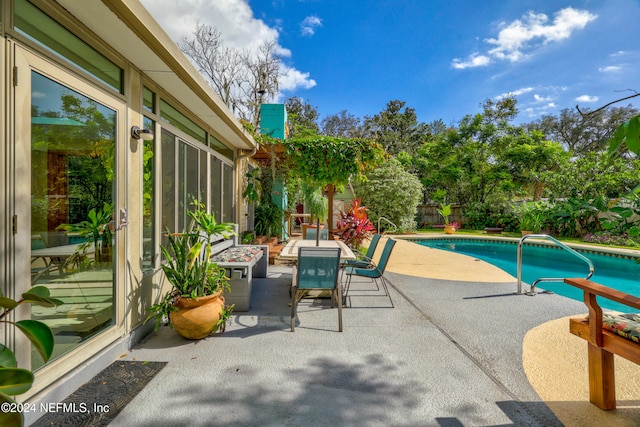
x=459 y=349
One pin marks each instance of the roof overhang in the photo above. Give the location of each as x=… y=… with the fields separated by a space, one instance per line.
x=129 y=28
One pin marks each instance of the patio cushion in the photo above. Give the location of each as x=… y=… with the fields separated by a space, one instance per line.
x=625 y=325
x=237 y=254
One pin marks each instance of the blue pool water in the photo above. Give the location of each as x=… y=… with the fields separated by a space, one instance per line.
x=538 y=261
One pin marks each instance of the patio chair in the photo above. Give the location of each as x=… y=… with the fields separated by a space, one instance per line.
x=366 y=260
x=318 y=269
x=311 y=234
x=373 y=272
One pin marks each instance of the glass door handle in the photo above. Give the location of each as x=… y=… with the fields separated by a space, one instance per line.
x=123 y=221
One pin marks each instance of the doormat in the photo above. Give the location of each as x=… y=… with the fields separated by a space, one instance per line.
x=97 y=402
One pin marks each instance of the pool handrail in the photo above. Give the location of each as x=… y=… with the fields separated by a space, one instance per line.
x=395 y=227
x=546 y=279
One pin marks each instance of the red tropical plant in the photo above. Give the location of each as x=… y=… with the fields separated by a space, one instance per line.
x=354 y=225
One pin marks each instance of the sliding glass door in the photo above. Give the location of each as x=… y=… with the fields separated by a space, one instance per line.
x=70 y=152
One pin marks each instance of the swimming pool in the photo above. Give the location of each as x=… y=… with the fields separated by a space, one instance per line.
x=540 y=260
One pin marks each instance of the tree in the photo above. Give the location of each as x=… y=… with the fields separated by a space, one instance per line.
x=582 y=132
x=394 y=129
x=302 y=117
x=528 y=157
x=263 y=69
x=243 y=79
x=390 y=191
x=342 y=125
x=466 y=161
x=593 y=176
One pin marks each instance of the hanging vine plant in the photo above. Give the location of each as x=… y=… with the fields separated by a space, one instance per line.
x=324 y=160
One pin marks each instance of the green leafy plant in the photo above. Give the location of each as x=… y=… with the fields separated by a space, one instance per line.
x=97 y=232
x=445 y=212
x=627 y=133
x=188 y=266
x=623 y=216
x=531 y=217
x=315 y=203
x=254 y=186
x=268 y=218
x=248 y=237
x=14 y=380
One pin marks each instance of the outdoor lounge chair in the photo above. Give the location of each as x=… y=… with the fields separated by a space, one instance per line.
x=367 y=259
x=318 y=269
x=373 y=272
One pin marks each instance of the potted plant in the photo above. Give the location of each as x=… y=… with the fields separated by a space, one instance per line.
x=194 y=306
x=531 y=220
x=445 y=212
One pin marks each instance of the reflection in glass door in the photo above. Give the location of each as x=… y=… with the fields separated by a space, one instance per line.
x=72 y=197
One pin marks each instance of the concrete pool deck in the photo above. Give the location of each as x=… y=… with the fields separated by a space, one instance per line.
x=553 y=359
x=458 y=349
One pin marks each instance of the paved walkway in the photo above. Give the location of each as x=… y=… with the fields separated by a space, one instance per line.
x=459 y=349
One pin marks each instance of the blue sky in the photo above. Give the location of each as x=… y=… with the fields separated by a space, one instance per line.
x=443 y=58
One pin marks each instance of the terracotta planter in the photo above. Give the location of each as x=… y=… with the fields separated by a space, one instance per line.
x=197 y=318
x=449 y=229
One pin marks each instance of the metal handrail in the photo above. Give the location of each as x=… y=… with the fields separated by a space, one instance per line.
x=395 y=227
x=547 y=279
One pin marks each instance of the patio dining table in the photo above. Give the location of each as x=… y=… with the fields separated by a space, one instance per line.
x=290 y=250
x=58 y=255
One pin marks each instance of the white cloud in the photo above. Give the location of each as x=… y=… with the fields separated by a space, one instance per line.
x=540 y=98
x=233 y=18
x=516 y=92
x=291 y=79
x=517 y=39
x=610 y=69
x=542 y=110
x=475 y=60
x=309 y=24
x=587 y=98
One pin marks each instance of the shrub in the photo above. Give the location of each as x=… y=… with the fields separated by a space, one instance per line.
x=479 y=215
x=608 y=238
x=391 y=192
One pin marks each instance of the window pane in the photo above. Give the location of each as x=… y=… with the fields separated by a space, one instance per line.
x=203 y=178
x=188 y=183
x=168 y=183
x=149 y=100
x=216 y=187
x=179 y=120
x=33 y=23
x=220 y=147
x=148 y=198
x=227 y=200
